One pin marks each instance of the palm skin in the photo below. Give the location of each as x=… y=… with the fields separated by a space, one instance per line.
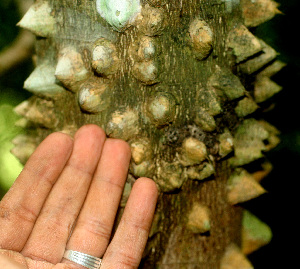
x=67 y=197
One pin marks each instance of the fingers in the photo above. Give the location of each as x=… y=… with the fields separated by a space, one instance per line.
x=22 y=204
x=52 y=228
x=64 y=183
x=127 y=246
x=93 y=228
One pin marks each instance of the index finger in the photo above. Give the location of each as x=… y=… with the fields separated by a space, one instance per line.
x=21 y=205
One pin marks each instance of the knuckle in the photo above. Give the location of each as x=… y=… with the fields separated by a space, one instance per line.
x=5 y=213
x=21 y=212
x=26 y=213
x=97 y=228
x=128 y=261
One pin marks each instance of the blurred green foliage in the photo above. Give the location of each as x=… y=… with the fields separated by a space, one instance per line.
x=10 y=167
x=11 y=94
x=279 y=206
x=281 y=33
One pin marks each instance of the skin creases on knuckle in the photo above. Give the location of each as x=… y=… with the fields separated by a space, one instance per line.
x=128 y=261
x=120 y=257
x=25 y=213
x=98 y=228
x=21 y=212
x=4 y=213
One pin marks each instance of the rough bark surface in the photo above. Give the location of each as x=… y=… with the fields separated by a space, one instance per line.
x=184 y=83
x=181 y=248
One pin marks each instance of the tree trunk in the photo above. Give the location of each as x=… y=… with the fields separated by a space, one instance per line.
x=185 y=83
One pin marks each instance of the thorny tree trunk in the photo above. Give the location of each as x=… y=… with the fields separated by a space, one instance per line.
x=185 y=83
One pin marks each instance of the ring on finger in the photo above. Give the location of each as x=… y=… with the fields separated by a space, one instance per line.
x=83 y=259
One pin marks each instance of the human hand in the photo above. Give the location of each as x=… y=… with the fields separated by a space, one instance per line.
x=67 y=197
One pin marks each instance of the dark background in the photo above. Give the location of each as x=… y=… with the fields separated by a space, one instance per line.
x=279 y=207
x=12 y=83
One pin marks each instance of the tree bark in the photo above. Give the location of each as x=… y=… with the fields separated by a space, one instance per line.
x=184 y=83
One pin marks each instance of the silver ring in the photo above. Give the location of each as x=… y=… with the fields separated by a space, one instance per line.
x=83 y=259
